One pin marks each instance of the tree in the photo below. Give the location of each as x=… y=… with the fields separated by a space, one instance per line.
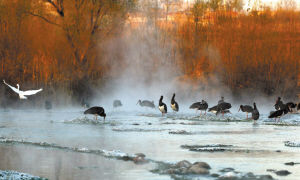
x=236 y=5
x=84 y=23
x=214 y=4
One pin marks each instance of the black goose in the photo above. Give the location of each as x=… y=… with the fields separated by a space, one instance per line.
x=162 y=106
x=255 y=112
x=279 y=104
x=146 y=103
x=195 y=105
x=213 y=109
x=292 y=106
x=246 y=108
x=279 y=113
x=217 y=110
x=174 y=104
x=117 y=103
x=200 y=106
x=203 y=106
x=223 y=107
x=298 y=106
x=96 y=111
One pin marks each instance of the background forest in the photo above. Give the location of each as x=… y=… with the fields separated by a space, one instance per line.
x=76 y=48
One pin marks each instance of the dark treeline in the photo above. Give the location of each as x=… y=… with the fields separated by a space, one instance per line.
x=61 y=45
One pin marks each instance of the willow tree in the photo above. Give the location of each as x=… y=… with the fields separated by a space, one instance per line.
x=84 y=23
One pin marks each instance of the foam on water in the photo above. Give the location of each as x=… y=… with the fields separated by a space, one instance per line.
x=14 y=175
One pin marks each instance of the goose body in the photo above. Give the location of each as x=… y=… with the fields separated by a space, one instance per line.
x=174 y=104
x=22 y=94
x=222 y=107
x=117 y=103
x=213 y=109
x=162 y=106
x=146 y=103
x=202 y=106
x=279 y=113
x=246 y=108
x=97 y=111
x=255 y=112
x=292 y=106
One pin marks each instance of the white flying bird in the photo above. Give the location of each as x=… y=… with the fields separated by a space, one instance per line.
x=23 y=94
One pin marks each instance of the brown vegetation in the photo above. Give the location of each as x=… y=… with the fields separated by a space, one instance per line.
x=59 y=44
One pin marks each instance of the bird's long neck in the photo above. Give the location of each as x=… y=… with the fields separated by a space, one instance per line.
x=173 y=98
x=160 y=100
x=254 y=106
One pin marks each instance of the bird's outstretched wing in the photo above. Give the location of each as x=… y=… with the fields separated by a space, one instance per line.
x=13 y=88
x=31 y=92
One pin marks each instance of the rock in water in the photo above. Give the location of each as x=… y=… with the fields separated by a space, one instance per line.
x=183 y=163
x=202 y=165
x=198 y=169
x=282 y=173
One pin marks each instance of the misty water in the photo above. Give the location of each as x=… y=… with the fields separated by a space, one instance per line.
x=255 y=147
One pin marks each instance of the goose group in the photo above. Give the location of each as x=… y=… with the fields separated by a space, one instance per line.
x=222 y=106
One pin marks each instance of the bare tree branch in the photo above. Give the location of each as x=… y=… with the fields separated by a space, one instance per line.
x=43 y=18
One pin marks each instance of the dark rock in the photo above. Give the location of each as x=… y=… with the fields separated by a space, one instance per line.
x=282 y=173
x=278 y=151
x=271 y=170
x=183 y=163
x=136 y=124
x=291 y=163
x=227 y=170
x=195 y=169
x=180 y=132
x=202 y=165
x=215 y=175
x=266 y=177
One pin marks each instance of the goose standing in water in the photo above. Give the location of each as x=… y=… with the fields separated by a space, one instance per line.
x=246 y=108
x=174 y=104
x=279 y=113
x=224 y=108
x=146 y=103
x=97 y=111
x=162 y=106
x=22 y=94
x=279 y=104
x=200 y=106
x=255 y=113
x=117 y=103
x=292 y=106
x=217 y=110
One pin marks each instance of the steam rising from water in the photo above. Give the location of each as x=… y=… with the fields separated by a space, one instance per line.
x=145 y=67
